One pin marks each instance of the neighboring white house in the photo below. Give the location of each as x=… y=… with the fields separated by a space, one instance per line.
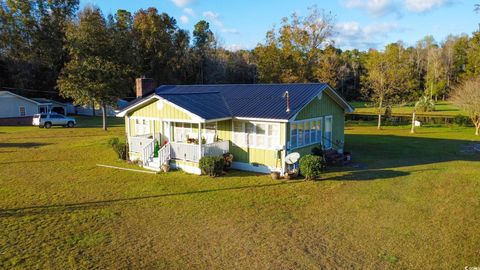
x=14 y=106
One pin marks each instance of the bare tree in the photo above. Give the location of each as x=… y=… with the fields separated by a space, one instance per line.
x=467 y=97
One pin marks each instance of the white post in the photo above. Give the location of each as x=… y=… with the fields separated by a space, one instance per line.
x=199 y=140
x=128 y=131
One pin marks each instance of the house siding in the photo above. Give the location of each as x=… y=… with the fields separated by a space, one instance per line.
x=10 y=106
x=320 y=108
x=167 y=111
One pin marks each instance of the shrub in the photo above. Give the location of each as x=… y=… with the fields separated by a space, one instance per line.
x=212 y=166
x=462 y=120
x=317 y=151
x=311 y=166
x=119 y=147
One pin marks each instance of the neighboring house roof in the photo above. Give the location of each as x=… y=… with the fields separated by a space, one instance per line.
x=260 y=101
x=46 y=101
x=21 y=97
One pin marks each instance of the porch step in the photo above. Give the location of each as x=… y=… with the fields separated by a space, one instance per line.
x=153 y=164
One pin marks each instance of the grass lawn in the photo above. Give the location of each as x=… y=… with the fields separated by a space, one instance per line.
x=412 y=202
x=442 y=108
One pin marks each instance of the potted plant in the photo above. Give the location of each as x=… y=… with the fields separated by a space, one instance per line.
x=292 y=174
x=275 y=175
x=165 y=167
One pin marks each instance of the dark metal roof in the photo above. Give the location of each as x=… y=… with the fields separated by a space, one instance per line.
x=207 y=105
x=242 y=100
x=255 y=100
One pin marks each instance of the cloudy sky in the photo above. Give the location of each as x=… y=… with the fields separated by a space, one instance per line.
x=360 y=24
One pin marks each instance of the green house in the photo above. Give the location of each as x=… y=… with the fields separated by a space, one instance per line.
x=259 y=124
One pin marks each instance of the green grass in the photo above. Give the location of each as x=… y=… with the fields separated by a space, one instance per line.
x=442 y=108
x=413 y=202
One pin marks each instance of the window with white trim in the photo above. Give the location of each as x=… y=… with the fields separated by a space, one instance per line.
x=210 y=132
x=181 y=132
x=305 y=132
x=142 y=126
x=21 y=110
x=328 y=132
x=256 y=134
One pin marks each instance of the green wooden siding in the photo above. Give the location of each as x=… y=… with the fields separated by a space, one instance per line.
x=320 y=108
x=167 y=111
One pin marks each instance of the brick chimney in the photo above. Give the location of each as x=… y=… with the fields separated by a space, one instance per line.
x=144 y=86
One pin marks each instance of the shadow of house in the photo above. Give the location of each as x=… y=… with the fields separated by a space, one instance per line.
x=22 y=145
x=69 y=207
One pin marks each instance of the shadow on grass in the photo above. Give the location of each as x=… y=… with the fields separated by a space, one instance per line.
x=29 y=161
x=70 y=207
x=378 y=152
x=22 y=145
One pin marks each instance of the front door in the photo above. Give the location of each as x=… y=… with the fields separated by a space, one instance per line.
x=166 y=131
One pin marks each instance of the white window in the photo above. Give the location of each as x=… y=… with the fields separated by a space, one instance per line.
x=250 y=131
x=294 y=137
x=305 y=132
x=257 y=135
x=261 y=133
x=181 y=132
x=301 y=135
x=273 y=136
x=142 y=126
x=328 y=132
x=239 y=137
x=210 y=132
x=319 y=130
x=21 y=109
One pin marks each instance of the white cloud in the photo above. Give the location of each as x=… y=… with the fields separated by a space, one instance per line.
x=374 y=7
x=423 y=5
x=184 y=19
x=189 y=12
x=383 y=7
x=214 y=18
x=235 y=47
x=352 y=35
x=182 y=3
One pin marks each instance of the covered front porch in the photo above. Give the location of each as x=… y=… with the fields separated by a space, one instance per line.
x=180 y=143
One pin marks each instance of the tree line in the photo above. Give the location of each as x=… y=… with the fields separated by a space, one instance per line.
x=92 y=57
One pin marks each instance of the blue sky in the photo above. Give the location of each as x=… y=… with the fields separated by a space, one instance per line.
x=360 y=24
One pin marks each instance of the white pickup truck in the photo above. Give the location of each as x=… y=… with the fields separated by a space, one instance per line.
x=52 y=119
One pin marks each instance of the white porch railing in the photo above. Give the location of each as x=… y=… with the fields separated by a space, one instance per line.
x=137 y=143
x=175 y=150
x=164 y=154
x=147 y=152
x=215 y=149
x=185 y=151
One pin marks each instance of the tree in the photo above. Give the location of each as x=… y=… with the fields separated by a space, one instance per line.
x=32 y=39
x=203 y=45
x=424 y=104
x=388 y=74
x=467 y=97
x=94 y=72
x=154 y=40
x=295 y=50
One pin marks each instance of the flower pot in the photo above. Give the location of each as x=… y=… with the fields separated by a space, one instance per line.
x=275 y=175
x=165 y=168
x=291 y=175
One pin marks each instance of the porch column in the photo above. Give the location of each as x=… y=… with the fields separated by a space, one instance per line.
x=128 y=130
x=199 y=140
